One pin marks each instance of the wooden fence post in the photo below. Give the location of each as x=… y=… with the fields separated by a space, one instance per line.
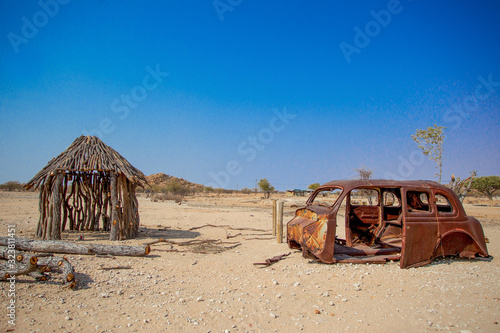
x=274 y=217
x=280 y=222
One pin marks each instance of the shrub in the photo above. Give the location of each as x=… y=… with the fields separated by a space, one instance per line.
x=12 y=185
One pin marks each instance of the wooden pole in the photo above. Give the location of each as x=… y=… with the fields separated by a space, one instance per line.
x=280 y=222
x=56 y=210
x=274 y=217
x=115 y=224
x=41 y=208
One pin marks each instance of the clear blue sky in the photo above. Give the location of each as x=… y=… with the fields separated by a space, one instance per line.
x=293 y=91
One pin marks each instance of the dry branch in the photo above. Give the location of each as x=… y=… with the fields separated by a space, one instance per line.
x=225 y=226
x=26 y=244
x=199 y=243
x=115 y=267
x=259 y=238
x=192 y=242
x=272 y=260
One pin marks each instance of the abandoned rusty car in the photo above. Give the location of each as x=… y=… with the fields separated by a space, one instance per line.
x=373 y=221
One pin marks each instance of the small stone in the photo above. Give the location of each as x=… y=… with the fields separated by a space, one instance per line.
x=273 y=315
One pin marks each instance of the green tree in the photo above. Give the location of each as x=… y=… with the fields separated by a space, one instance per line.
x=314 y=186
x=265 y=187
x=487 y=185
x=431 y=141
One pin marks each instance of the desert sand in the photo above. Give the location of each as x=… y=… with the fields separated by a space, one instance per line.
x=221 y=290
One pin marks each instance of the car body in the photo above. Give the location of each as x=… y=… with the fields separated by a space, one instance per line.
x=372 y=221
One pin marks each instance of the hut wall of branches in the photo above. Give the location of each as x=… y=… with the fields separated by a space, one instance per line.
x=89 y=186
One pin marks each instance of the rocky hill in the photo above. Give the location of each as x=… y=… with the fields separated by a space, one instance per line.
x=161 y=179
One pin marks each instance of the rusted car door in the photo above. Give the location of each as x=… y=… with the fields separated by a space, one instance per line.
x=420 y=227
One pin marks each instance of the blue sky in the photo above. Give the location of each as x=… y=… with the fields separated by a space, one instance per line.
x=226 y=92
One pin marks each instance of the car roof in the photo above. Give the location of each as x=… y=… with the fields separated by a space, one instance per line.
x=349 y=184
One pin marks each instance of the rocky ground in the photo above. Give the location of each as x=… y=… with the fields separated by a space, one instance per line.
x=223 y=291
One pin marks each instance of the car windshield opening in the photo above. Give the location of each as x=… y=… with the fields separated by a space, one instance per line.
x=327 y=196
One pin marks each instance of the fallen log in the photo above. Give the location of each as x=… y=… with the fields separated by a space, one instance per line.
x=8 y=271
x=62 y=264
x=17 y=256
x=37 y=266
x=26 y=244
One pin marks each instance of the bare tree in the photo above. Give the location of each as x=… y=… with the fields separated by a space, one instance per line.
x=365 y=174
x=461 y=187
x=431 y=141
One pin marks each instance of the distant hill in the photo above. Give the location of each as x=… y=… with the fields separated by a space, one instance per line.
x=162 y=179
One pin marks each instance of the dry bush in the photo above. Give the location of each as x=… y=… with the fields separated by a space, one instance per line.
x=12 y=185
x=166 y=196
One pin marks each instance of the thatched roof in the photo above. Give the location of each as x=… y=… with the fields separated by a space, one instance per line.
x=87 y=154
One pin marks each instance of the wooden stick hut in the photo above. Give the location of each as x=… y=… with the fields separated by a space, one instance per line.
x=89 y=186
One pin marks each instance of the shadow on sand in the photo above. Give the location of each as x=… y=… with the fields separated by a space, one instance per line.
x=165 y=233
x=144 y=232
